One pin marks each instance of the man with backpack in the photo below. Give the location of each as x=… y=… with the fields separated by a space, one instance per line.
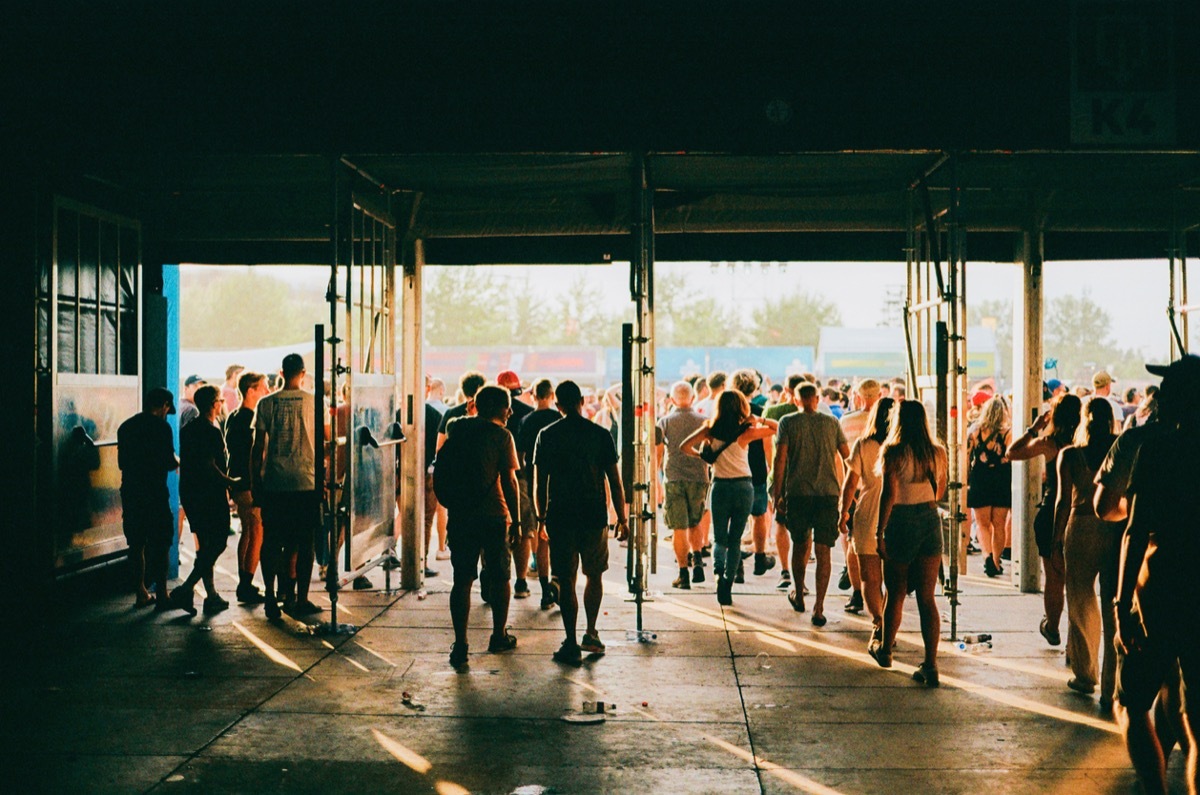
x=475 y=477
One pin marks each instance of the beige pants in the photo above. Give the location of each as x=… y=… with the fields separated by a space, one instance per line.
x=1090 y=551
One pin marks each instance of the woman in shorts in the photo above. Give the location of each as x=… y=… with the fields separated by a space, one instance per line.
x=989 y=481
x=912 y=466
x=861 y=526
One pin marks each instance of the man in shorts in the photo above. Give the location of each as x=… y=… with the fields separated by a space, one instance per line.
x=520 y=410
x=488 y=526
x=572 y=461
x=283 y=483
x=145 y=455
x=807 y=446
x=1157 y=589
x=538 y=544
x=686 y=485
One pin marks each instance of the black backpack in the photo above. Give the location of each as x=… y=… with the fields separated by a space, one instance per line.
x=459 y=479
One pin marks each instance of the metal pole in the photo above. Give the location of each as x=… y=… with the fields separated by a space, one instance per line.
x=1027 y=394
x=412 y=380
x=953 y=381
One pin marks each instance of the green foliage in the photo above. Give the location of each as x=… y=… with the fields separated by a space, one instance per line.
x=1077 y=331
x=683 y=316
x=794 y=319
x=245 y=308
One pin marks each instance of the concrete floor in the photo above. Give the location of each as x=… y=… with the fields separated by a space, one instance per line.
x=101 y=697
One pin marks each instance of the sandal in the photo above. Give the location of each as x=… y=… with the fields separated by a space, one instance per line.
x=458 y=655
x=1051 y=635
x=875 y=649
x=796 y=600
x=927 y=675
x=499 y=643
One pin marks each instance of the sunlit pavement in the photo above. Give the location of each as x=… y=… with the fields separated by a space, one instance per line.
x=752 y=698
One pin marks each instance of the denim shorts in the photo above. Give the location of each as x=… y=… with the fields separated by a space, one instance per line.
x=759 y=506
x=913 y=531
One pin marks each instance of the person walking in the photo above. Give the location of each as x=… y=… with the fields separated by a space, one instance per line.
x=239 y=441
x=989 y=480
x=686 y=486
x=145 y=456
x=1089 y=550
x=1047 y=436
x=573 y=461
x=283 y=483
x=475 y=474
x=861 y=491
x=913 y=466
x=759 y=453
x=538 y=546
x=808 y=445
x=727 y=438
x=854 y=425
x=204 y=493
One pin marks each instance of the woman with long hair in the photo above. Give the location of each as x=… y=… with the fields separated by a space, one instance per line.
x=861 y=470
x=1089 y=549
x=1047 y=436
x=989 y=480
x=912 y=465
x=727 y=436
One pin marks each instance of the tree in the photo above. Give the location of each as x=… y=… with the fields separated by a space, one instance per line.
x=582 y=319
x=464 y=306
x=1076 y=332
x=794 y=319
x=245 y=308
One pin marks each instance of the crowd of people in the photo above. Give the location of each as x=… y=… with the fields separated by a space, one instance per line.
x=528 y=480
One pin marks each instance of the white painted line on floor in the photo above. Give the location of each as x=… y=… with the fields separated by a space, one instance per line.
x=402 y=754
x=377 y=654
x=272 y=653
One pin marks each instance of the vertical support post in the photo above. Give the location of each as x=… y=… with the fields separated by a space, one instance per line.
x=951 y=412
x=642 y=512
x=412 y=395
x=1027 y=402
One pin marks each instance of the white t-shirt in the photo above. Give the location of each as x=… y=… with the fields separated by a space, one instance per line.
x=863 y=457
x=287 y=418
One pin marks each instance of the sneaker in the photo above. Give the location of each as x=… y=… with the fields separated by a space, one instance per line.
x=215 y=604
x=458 y=655
x=569 y=654
x=706 y=551
x=724 y=591
x=271 y=609
x=927 y=675
x=746 y=553
x=698 y=573
x=989 y=567
x=740 y=577
x=303 y=607
x=1006 y=554
x=972 y=549
x=875 y=649
x=1079 y=686
x=785 y=581
x=796 y=600
x=249 y=595
x=521 y=589
x=361 y=583
x=592 y=644
x=442 y=554
x=855 y=605
x=682 y=582
x=499 y=643
x=844 y=580
x=550 y=595
x=430 y=572
x=763 y=563
x=1051 y=635
x=182 y=599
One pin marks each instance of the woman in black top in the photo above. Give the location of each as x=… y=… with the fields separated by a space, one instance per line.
x=989 y=481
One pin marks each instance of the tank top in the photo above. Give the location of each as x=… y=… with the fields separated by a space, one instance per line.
x=734 y=461
x=914 y=489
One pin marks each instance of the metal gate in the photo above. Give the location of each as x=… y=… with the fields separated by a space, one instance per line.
x=89 y=374
x=360 y=379
x=935 y=314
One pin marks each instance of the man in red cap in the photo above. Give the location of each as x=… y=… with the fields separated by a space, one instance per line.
x=509 y=380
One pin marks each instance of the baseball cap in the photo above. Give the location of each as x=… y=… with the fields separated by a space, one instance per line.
x=979 y=398
x=193 y=379
x=510 y=381
x=1054 y=384
x=1102 y=379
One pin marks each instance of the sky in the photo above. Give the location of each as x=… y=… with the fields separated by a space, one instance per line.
x=1134 y=292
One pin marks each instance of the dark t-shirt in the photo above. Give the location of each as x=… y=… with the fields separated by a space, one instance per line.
x=520 y=410
x=145 y=454
x=498 y=453
x=452 y=413
x=577 y=454
x=433 y=420
x=199 y=484
x=531 y=426
x=1165 y=507
x=757 y=454
x=239 y=439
